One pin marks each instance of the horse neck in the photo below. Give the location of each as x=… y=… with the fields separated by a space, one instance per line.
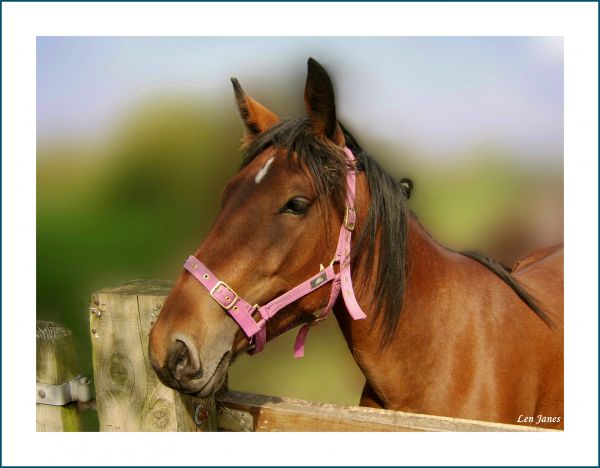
x=428 y=268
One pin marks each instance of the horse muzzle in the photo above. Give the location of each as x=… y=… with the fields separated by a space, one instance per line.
x=183 y=370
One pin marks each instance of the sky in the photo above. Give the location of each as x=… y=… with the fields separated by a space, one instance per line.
x=434 y=95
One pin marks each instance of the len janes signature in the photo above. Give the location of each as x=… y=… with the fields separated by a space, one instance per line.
x=540 y=418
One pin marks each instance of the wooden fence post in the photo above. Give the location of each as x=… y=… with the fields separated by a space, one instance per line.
x=55 y=365
x=129 y=396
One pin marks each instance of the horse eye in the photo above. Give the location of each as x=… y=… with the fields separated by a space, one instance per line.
x=296 y=206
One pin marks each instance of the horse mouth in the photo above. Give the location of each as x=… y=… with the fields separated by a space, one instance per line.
x=214 y=382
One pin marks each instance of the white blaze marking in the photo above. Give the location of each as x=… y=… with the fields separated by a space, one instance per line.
x=263 y=172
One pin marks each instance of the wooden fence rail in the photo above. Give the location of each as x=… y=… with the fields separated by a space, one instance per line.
x=129 y=396
x=246 y=412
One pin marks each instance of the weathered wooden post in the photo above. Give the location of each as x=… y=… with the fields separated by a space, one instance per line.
x=59 y=385
x=129 y=396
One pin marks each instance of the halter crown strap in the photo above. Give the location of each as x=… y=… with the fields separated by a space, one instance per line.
x=244 y=313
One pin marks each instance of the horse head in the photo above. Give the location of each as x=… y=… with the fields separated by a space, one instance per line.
x=277 y=226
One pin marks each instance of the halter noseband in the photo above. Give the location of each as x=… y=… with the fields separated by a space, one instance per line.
x=242 y=312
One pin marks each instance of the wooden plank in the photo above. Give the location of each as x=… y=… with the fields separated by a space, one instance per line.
x=129 y=396
x=55 y=365
x=248 y=412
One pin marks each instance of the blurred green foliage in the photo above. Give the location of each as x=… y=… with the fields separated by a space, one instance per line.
x=137 y=204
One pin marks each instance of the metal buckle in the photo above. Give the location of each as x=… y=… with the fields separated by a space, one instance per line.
x=235 y=296
x=254 y=309
x=349 y=225
x=321 y=267
x=318 y=318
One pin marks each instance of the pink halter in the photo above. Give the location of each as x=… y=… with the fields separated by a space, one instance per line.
x=241 y=310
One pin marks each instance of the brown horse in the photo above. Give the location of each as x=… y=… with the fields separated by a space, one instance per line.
x=446 y=333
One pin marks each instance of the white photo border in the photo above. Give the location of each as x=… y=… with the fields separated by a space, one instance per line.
x=576 y=22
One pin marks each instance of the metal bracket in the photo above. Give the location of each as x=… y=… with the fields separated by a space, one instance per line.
x=234 y=420
x=78 y=389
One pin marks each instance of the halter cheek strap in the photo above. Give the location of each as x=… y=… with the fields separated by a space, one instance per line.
x=244 y=313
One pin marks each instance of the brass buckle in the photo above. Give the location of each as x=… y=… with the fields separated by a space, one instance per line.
x=254 y=309
x=235 y=298
x=349 y=225
x=318 y=318
x=321 y=267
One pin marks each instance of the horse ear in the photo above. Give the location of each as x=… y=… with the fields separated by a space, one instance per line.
x=320 y=103
x=256 y=118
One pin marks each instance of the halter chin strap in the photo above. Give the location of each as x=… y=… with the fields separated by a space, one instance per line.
x=243 y=313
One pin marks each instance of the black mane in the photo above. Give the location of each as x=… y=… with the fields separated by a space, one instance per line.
x=386 y=219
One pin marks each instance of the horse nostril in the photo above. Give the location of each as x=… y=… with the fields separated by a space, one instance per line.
x=182 y=360
x=181 y=364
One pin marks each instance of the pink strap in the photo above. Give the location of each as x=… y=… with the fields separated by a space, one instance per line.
x=343 y=280
x=238 y=308
x=242 y=312
x=308 y=286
